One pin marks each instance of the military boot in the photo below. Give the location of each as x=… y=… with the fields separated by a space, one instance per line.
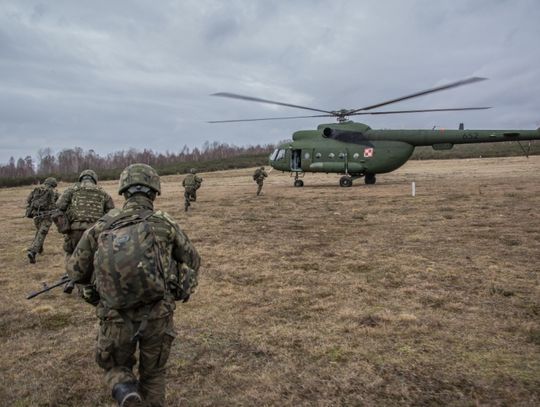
x=126 y=395
x=31 y=256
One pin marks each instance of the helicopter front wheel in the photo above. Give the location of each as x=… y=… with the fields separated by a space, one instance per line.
x=345 y=181
x=298 y=183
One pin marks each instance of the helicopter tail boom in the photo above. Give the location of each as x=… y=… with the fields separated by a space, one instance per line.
x=437 y=136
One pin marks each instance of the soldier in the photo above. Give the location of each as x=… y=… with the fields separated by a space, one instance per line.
x=134 y=256
x=83 y=204
x=191 y=184
x=40 y=205
x=258 y=176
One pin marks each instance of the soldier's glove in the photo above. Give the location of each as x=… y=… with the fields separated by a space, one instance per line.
x=68 y=288
x=90 y=295
x=183 y=282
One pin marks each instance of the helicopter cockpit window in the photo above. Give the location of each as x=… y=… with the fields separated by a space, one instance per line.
x=331 y=155
x=277 y=155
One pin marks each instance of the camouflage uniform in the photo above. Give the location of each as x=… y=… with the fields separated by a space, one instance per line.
x=83 y=203
x=115 y=347
x=40 y=204
x=191 y=184
x=258 y=176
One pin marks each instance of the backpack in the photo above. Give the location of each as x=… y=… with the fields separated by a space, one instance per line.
x=127 y=263
x=42 y=198
x=189 y=181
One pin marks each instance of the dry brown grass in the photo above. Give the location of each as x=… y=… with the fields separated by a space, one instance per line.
x=316 y=296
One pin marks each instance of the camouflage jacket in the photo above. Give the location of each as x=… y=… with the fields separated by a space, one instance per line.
x=192 y=181
x=259 y=175
x=84 y=203
x=42 y=199
x=174 y=247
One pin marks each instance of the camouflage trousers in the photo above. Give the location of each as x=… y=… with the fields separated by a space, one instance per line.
x=259 y=187
x=70 y=241
x=115 y=353
x=42 y=228
x=190 y=194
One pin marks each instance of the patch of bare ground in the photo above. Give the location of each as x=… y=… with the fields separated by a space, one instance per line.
x=315 y=296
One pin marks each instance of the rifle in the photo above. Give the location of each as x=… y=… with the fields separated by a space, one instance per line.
x=45 y=214
x=58 y=217
x=65 y=280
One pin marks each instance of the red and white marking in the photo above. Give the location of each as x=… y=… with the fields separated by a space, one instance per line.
x=368 y=152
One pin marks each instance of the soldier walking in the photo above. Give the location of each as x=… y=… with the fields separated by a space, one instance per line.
x=191 y=184
x=40 y=205
x=82 y=204
x=134 y=256
x=258 y=176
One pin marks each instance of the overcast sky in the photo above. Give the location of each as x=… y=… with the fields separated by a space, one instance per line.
x=110 y=75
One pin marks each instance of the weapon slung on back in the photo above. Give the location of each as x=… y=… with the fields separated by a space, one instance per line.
x=63 y=281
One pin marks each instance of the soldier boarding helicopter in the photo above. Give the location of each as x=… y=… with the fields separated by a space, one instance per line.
x=356 y=150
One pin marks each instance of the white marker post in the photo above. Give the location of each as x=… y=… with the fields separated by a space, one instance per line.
x=413 y=188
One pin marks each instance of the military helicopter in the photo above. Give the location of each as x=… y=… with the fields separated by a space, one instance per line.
x=356 y=150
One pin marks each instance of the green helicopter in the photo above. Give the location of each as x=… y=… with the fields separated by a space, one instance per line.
x=356 y=150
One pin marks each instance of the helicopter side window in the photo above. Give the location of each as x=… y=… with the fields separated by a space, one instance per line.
x=274 y=155
x=318 y=155
x=278 y=155
x=331 y=155
x=341 y=155
x=356 y=156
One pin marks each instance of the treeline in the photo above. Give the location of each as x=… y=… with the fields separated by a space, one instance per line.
x=68 y=163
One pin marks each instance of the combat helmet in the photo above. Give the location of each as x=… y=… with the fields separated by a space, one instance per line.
x=89 y=173
x=141 y=175
x=50 y=181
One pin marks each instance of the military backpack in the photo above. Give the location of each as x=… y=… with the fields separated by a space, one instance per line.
x=42 y=200
x=127 y=263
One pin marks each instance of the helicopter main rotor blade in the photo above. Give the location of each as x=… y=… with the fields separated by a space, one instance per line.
x=269 y=118
x=421 y=93
x=421 y=110
x=271 y=102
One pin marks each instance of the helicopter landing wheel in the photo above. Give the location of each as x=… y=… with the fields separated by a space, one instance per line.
x=298 y=183
x=345 y=181
x=370 y=179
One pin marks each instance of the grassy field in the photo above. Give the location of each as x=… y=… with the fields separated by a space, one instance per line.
x=315 y=296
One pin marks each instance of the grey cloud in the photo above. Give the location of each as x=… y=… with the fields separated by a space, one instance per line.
x=114 y=75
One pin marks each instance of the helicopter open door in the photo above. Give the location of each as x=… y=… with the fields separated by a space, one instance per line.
x=296 y=160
